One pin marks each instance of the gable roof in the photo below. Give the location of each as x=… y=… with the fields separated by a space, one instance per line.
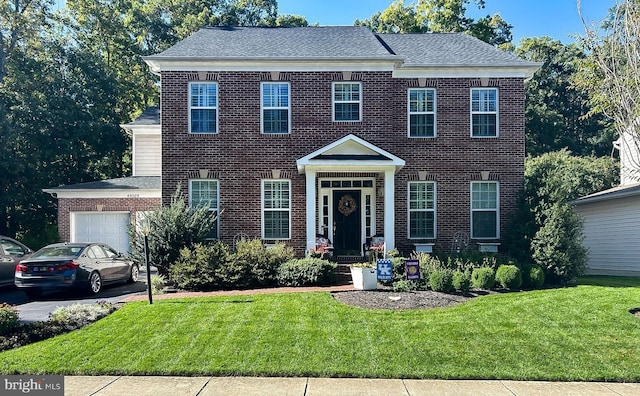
x=622 y=191
x=305 y=47
x=150 y=116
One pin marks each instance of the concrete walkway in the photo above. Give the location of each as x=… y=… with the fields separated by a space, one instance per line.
x=247 y=386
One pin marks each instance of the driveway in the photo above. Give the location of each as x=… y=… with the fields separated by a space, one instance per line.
x=39 y=309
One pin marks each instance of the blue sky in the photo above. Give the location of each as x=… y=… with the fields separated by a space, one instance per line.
x=530 y=18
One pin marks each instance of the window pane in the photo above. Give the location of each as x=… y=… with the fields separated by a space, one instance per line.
x=484 y=125
x=203 y=120
x=484 y=196
x=276 y=224
x=421 y=224
x=484 y=224
x=276 y=121
x=422 y=125
x=204 y=192
x=347 y=111
x=204 y=95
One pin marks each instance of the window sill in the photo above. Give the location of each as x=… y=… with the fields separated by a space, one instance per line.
x=488 y=247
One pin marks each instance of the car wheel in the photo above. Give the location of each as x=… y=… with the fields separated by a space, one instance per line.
x=134 y=274
x=95 y=282
x=33 y=293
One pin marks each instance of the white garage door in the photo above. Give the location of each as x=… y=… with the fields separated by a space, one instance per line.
x=109 y=228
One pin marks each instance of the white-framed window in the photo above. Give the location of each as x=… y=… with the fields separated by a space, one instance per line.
x=484 y=112
x=422 y=210
x=276 y=107
x=422 y=112
x=203 y=107
x=276 y=209
x=206 y=192
x=347 y=101
x=485 y=217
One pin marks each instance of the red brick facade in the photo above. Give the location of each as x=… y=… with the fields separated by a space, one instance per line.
x=239 y=156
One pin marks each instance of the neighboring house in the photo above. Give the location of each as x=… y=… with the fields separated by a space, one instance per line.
x=102 y=211
x=288 y=133
x=612 y=218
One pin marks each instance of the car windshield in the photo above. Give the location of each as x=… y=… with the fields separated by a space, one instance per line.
x=58 y=251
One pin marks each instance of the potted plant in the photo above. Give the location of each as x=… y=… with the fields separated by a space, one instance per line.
x=364 y=276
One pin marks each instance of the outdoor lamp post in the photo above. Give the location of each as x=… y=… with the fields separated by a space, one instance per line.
x=145 y=234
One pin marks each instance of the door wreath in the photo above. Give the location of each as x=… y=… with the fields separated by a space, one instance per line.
x=347 y=205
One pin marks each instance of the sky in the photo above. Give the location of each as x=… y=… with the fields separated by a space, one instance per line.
x=558 y=19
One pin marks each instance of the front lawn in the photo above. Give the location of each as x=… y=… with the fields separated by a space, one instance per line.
x=581 y=333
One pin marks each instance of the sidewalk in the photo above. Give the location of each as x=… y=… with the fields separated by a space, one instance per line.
x=247 y=386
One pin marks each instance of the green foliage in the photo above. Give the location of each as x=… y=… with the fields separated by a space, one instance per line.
x=306 y=272
x=253 y=264
x=483 y=278
x=441 y=280
x=405 y=285
x=509 y=276
x=198 y=268
x=546 y=227
x=535 y=277
x=77 y=315
x=9 y=319
x=158 y=284
x=461 y=280
x=171 y=228
x=441 y=16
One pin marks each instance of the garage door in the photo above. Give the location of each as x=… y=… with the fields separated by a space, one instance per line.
x=110 y=228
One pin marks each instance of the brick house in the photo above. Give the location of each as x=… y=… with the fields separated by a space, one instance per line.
x=291 y=133
x=102 y=211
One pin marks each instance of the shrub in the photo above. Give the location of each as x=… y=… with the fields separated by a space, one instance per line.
x=405 y=285
x=198 y=268
x=9 y=319
x=253 y=264
x=536 y=277
x=509 y=276
x=483 y=278
x=171 y=228
x=441 y=280
x=306 y=271
x=75 y=316
x=158 y=284
x=461 y=280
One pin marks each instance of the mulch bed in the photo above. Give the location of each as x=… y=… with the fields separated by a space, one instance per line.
x=384 y=299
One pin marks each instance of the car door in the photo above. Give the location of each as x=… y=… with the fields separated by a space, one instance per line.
x=10 y=254
x=118 y=265
x=100 y=262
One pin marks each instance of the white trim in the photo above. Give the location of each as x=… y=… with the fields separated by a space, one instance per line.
x=434 y=210
x=497 y=209
x=104 y=193
x=389 y=210
x=496 y=112
x=434 y=112
x=334 y=102
x=457 y=71
x=141 y=129
x=216 y=107
x=262 y=108
x=311 y=181
x=262 y=209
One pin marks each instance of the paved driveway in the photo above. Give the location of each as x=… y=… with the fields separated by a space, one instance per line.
x=39 y=309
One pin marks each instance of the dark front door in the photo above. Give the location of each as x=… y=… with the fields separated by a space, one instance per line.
x=346 y=222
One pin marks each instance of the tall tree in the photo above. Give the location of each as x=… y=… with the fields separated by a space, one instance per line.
x=613 y=71
x=439 y=16
x=558 y=113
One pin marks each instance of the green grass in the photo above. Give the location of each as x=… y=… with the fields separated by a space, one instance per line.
x=580 y=333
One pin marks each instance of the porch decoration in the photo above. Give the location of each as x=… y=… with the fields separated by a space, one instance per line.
x=364 y=276
x=347 y=205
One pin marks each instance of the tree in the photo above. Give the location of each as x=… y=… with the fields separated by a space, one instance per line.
x=613 y=71
x=558 y=113
x=546 y=228
x=440 y=16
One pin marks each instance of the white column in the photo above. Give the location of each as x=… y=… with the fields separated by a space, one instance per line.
x=389 y=209
x=311 y=208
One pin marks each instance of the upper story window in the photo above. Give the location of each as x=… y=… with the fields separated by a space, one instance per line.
x=203 y=107
x=422 y=210
x=347 y=101
x=276 y=209
x=205 y=192
x=422 y=112
x=276 y=108
x=484 y=112
x=484 y=210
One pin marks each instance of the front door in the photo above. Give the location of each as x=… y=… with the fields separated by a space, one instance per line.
x=346 y=222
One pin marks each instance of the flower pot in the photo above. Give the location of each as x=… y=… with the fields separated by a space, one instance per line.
x=364 y=278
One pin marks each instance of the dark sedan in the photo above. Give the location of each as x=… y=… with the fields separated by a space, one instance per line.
x=11 y=252
x=73 y=266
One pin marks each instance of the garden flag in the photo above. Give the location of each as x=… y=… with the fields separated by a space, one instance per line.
x=412 y=269
x=384 y=270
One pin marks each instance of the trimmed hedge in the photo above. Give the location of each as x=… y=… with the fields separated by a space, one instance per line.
x=307 y=271
x=509 y=276
x=483 y=278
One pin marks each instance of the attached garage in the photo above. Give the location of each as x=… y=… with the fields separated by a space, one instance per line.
x=612 y=230
x=106 y=227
